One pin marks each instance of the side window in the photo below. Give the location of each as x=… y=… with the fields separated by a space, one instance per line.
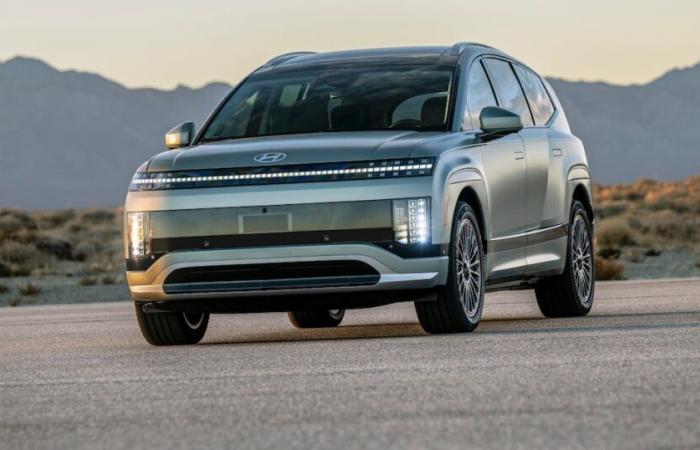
x=507 y=85
x=479 y=93
x=540 y=103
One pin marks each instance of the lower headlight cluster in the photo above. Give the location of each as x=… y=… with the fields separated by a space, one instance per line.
x=412 y=220
x=139 y=231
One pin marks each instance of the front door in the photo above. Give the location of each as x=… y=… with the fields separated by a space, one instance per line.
x=505 y=178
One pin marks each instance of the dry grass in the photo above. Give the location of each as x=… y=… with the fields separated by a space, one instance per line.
x=88 y=281
x=54 y=242
x=615 y=233
x=29 y=290
x=14 y=301
x=608 y=269
x=651 y=214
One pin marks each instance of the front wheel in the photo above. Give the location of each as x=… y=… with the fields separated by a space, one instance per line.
x=172 y=328
x=571 y=293
x=321 y=318
x=459 y=304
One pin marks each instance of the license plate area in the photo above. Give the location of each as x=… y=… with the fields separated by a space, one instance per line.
x=265 y=223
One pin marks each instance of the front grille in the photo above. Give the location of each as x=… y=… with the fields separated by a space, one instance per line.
x=257 y=277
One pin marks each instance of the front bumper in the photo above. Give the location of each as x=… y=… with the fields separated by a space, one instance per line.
x=335 y=221
x=395 y=273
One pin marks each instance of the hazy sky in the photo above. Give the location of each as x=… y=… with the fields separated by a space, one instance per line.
x=162 y=43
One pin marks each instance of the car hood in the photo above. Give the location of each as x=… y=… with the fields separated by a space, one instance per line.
x=298 y=149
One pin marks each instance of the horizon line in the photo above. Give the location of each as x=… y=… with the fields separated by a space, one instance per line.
x=184 y=85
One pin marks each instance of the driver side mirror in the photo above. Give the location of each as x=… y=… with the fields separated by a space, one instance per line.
x=499 y=122
x=180 y=136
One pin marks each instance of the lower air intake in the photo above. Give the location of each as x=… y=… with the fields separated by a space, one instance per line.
x=258 y=277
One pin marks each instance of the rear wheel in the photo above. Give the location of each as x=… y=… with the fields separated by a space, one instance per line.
x=571 y=293
x=172 y=328
x=459 y=304
x=320 y=318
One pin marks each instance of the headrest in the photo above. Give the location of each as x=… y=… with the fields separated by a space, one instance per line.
x=433 y=112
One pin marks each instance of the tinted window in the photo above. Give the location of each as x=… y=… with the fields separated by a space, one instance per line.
x=327 y=99
x=479 y=93
x=507 y=85
x=540 y=103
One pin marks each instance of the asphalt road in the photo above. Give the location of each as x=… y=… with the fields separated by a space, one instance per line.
x=627 y=376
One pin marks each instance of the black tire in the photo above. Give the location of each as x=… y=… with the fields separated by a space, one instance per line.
x=558 y=296
x=171 y=328
x=317 y=318
x=449 y=314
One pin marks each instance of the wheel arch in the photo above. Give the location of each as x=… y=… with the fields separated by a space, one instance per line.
x=581 y=194
x=469 y=195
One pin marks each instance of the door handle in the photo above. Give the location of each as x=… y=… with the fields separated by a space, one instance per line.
x=519 y=155
x=556 y=152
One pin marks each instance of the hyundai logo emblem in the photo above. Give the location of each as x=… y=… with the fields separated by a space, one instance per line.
x=270 y=157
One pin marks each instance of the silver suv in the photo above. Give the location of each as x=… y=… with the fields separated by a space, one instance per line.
x=354 y=179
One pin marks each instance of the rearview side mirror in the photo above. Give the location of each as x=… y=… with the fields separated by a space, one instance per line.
x=497 y=121
x=180 y=136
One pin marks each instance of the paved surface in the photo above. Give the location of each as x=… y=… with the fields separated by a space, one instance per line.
x=628 y=376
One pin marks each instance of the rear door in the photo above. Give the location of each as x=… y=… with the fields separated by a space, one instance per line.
x=545 y=163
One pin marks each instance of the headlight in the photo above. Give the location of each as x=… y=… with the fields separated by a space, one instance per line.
x=296 y=173
x=411 y=220
x=139 y=233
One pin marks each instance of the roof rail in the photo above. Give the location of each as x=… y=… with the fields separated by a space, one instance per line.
x=459 y=47
x=279 y=59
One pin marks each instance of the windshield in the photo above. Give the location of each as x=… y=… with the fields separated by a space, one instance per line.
x=326 y=99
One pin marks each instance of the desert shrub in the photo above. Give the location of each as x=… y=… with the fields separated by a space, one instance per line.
x=14 y=301
x=609 y=253
x=108 y=280
x=635 y=255
x=608 y=269
x=99 y=216
x=23 y=259
x=29 y=290
x=88 y=281
x=4 y=289
x=17 y=226
x=17 y=253
x=669 y=226
x=56 y=219
x=652 y=252
x=76 y=228
x=697 y=263
x=5 y=270
x=614 y=233
x=57 y=247
x=612 y=210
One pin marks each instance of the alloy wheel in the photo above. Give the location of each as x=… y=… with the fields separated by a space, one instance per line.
x=468 y=268
x=581 y=259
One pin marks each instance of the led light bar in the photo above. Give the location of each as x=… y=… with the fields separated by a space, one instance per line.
x=138 y=228
x=411 y=220
x=300 y=173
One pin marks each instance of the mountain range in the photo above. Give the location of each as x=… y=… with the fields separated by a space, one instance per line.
x=74 y=139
